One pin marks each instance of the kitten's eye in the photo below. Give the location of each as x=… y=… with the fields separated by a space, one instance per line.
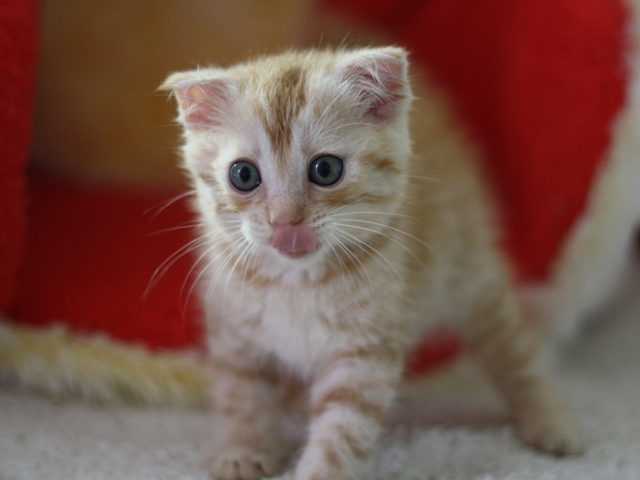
x=245 y=176
x=326 y=170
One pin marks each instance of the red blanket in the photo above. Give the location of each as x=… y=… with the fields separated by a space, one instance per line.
x=537 y=83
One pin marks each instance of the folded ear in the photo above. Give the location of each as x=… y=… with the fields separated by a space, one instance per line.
x=201 y=104
x=378 y=78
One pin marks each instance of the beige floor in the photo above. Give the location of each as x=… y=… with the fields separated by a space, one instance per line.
x=458 y=434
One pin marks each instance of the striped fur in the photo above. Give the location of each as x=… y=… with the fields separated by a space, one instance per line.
x=404 y=240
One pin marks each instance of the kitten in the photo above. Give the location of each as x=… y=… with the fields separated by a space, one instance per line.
x=331 y=246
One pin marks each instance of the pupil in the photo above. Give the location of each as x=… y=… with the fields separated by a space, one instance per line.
x=244 y=174
x=323 y=169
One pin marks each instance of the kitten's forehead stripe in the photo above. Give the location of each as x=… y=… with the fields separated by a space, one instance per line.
x=285 y=99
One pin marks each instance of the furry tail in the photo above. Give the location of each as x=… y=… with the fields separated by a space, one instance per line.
x=97 y=368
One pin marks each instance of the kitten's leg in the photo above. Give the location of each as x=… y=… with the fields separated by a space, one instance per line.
x=349 y=402
x=247 y=407
x=509 y=351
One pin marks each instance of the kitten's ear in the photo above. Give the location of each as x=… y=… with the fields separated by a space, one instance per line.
x=378 y=78
x=201 y=105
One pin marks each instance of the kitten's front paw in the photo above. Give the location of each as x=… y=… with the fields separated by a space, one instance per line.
x=555 y=433
x=237 y=462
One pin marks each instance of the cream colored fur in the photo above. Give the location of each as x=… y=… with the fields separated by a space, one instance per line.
x=404 y=240
x=62 y=364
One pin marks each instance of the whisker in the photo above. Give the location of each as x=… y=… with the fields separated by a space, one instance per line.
x=254 y=262
x=343 y=269
x=354 y=258
x=202 y=256
x=361 y=244
x=228 y=237
x=184 y=302
x=391 y=214
x=177 y=227
x=166 y=204
x=386 y=226
x=234 y=249
x=248 y=246
x=248 y=260
x=172 y=259
x=342 y=207
x=341 y=264
x=403 y=246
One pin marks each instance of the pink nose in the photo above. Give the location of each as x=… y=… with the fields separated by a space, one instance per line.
x=294 y=239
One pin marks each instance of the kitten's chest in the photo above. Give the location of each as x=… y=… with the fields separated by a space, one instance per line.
x=300 y=324
x=303 y=325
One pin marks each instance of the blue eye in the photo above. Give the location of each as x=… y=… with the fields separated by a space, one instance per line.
x=326 y=170
x=245 y=176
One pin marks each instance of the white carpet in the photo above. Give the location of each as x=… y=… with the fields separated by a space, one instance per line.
x=459 y=434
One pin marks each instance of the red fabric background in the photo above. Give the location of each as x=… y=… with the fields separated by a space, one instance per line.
x=92 y=253
x=18 y=51
x=538 y=83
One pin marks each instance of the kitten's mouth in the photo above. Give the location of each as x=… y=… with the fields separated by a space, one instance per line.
x=294 y=254
x=295 y=241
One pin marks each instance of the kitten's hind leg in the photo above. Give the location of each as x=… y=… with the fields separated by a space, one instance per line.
x=250 y=445
x=508 y=350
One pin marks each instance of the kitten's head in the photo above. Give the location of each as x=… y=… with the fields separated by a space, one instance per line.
x=302 y=155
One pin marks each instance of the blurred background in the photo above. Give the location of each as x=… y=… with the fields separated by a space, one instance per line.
x=98 y=115
x=92 y=224
x=538 y=86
